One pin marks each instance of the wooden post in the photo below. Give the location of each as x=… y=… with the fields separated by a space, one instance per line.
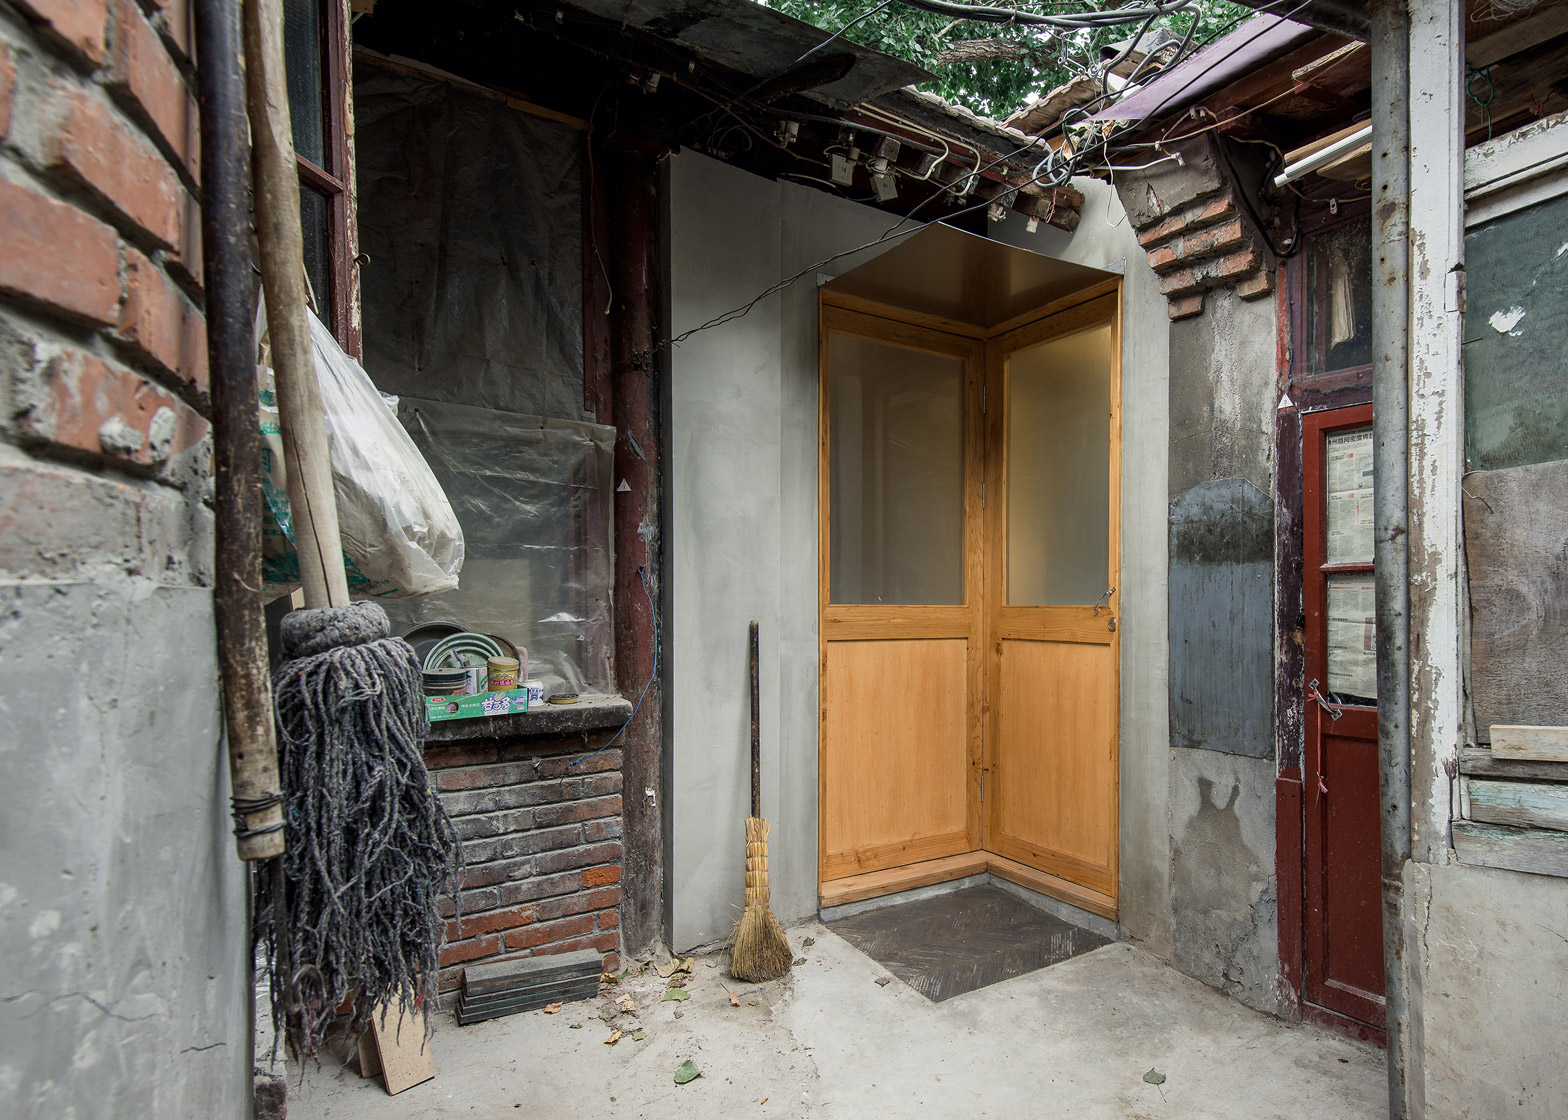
x=279 y=238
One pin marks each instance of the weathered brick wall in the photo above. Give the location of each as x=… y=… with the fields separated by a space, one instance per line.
x=540 y=822
x=122 y=948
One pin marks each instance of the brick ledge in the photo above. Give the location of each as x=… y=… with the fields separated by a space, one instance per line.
x=591 y=713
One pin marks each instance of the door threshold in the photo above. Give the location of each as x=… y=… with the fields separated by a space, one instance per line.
x=892 y=880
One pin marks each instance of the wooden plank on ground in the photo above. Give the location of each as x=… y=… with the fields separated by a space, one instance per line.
x=1536 y=851
x=1539 y=744
x=406 y=1056
x=874 y=884
x=1521 y=804
x=1052 y=885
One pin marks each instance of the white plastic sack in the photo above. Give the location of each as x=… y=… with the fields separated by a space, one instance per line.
x=400 y=536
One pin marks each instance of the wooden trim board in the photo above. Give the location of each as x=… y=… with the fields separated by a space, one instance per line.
x=875 y=884
x=1534 y=744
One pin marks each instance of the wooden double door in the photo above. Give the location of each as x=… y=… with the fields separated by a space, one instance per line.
x=968 y=600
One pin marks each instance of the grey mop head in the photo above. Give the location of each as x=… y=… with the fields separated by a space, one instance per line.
x=369 y=847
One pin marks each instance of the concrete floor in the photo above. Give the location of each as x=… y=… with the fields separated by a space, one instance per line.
x=1075 y=1039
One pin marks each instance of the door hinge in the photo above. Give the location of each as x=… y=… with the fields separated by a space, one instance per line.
x=982 y=495
x=982 y=787
x=982 y=400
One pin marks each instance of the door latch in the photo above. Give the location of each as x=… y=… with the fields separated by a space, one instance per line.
x=1103 y=602
x=1110 y=624
x=1314 y=694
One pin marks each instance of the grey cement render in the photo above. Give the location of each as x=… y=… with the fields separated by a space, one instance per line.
x=122 y=905
x=1487 y=984
x=1224 y=894
x=742 y=439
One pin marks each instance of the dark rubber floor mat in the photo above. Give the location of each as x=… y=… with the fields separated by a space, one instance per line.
x=954 y=943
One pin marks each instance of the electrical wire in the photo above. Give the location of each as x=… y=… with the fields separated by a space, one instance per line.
x=1036 y=179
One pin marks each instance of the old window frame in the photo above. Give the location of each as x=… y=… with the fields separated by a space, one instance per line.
x=1330 y=388
x=340 y=307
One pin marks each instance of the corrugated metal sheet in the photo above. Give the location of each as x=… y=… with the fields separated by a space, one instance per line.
x=756 y=41
x=1258 y=41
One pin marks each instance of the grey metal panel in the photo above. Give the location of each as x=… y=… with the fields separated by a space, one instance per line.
x=1222 y=618
x=756 y=41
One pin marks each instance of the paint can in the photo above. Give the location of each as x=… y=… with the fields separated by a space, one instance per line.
x=502 y=674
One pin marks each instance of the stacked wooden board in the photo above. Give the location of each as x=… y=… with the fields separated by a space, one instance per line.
x=508 y=987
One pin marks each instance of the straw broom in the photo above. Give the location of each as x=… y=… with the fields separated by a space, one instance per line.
x=761 y=952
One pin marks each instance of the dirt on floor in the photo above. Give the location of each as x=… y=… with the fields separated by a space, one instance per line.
x=1112 y=1034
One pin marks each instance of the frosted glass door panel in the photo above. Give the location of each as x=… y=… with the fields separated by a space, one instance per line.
x=896 y=474
x=1058 y=470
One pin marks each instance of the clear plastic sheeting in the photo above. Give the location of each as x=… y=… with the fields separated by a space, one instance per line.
x=399 y=533
x=471 y=215
x=534 y=499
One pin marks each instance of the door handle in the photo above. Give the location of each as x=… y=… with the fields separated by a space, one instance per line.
x=1314 y=694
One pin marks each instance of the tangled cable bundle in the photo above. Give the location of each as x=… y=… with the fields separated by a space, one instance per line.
x=369 y=846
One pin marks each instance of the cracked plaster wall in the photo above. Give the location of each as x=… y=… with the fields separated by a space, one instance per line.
x=1222 y=815
x=1486 y=982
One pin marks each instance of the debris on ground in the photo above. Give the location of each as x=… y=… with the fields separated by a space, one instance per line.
x=676 y=994
x=808 y=942
x=687 y=1071
x=553 y=1009
x=800 y=960
x=638 y=1036
x=615 y=1036
x=884 y=981
x=1154 y=1077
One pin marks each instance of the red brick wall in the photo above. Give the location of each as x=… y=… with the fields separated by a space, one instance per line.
x=542 y=841
x=99 y=243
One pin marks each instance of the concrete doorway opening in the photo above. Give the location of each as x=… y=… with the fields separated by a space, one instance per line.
x=969 y=485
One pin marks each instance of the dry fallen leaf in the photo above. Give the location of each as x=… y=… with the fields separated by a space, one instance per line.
x=638 y=1036
x=628 y=1004
x=609 y=978
x=676 y=994
x=689 y=964
x=615 y=1036
x=553 y=1009
x=734 y=1000
x=665 y=970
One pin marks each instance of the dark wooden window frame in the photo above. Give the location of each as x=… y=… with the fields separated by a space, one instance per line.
x=341 y=309
x=1308 y=393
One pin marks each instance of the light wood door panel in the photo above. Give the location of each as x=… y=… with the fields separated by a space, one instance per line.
x=1054 y=768
x=895 y=754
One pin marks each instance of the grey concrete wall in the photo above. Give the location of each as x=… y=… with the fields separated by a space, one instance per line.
x=1223 y=887
x=743 y=536
x=1486 y=985
x=1104 y=240
x=742 y=530
x=122 y=906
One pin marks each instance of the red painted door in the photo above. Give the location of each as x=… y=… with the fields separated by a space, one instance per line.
x=1343 y=942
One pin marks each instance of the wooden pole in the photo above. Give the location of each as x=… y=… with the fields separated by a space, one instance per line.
x=281 y=244
x=236 y=437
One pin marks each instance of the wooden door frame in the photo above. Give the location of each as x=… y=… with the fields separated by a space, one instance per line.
x=844 y=622
x=1356 y=721
x=857 y=316
x=1081 y=623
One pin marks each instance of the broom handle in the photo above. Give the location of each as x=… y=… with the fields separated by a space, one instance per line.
x=278 y=236
x=756 y=730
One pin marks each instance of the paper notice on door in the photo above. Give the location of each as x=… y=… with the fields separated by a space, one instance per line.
x=1349 y=470
x=1352 y=636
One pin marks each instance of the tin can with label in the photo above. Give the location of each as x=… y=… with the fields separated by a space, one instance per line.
x=502 y=674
